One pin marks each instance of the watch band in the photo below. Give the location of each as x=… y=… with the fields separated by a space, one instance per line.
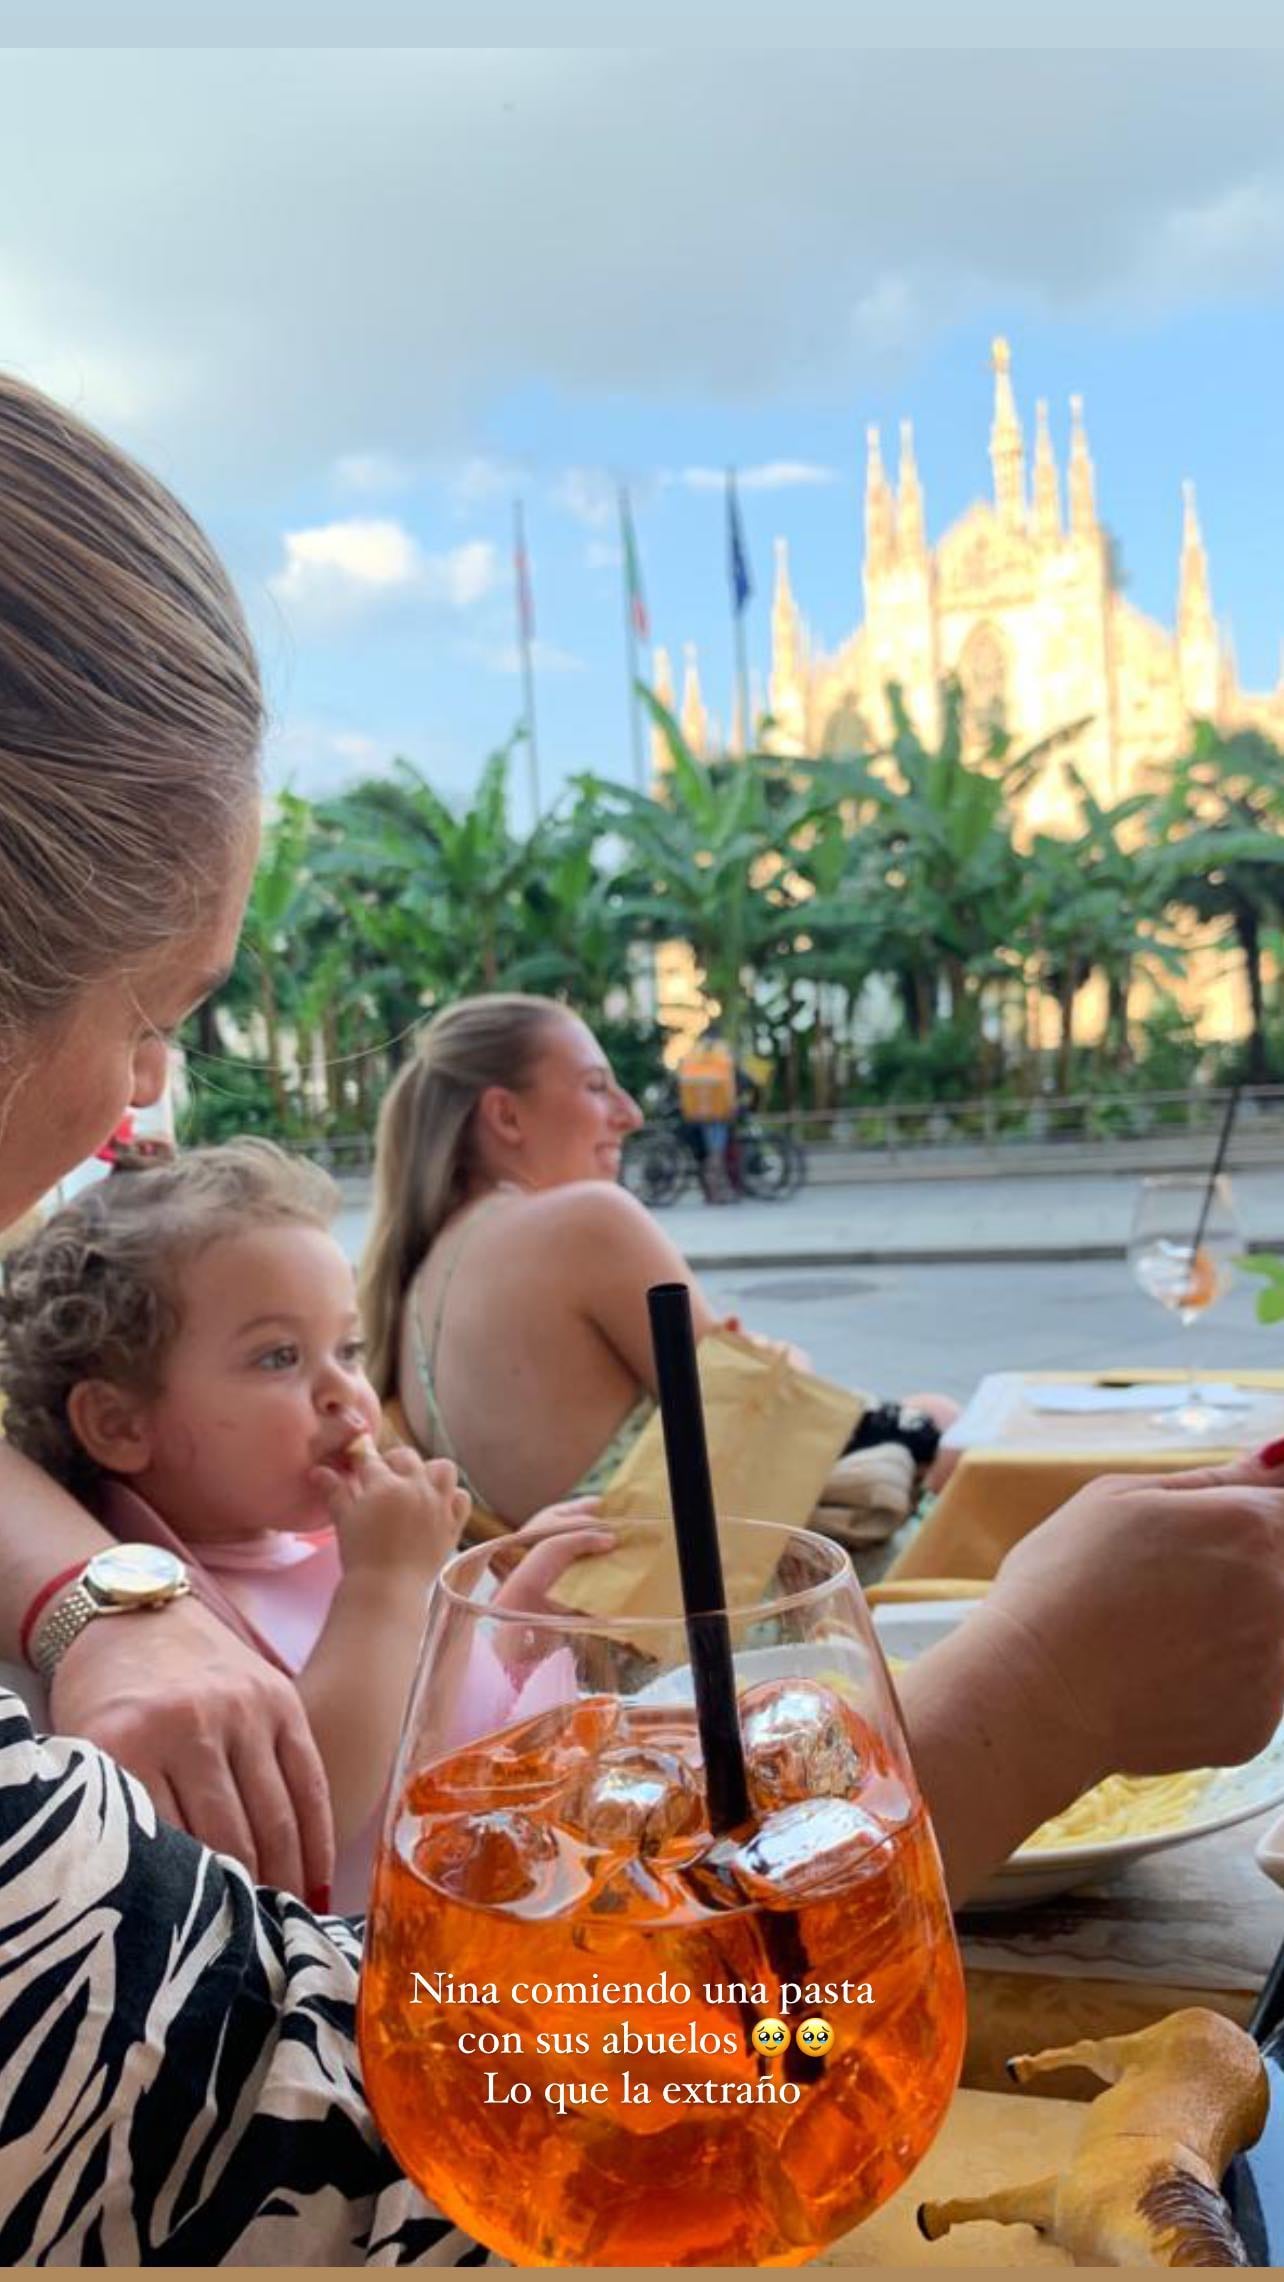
x=65 y=1622
x=69 y=1616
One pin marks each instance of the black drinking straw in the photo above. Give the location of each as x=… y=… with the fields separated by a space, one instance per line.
x=1223 y=1144
x=1268 y=2013
x=699 y=1559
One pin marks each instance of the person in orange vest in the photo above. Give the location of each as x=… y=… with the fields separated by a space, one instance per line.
x=707 y=1098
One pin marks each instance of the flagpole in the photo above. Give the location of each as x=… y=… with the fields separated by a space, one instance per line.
x=525 y=629
x=630 y=595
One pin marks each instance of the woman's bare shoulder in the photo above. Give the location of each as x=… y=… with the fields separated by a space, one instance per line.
x=586 y=1220
x=596 y=1207
x=563 y=1234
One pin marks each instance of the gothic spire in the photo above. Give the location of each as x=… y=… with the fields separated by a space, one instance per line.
x=662 y=687
x=1007 y=446
x=1194 y=597
x=1198 y=644
x=911 y=534
x=1047 y=487
x=784 y=621
x=695 y=721
x=1083 y=485
x=880 y=525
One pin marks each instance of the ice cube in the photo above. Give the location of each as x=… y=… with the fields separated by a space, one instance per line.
x=637 y=1797
x=798 y=1744
x=490 y=1859
x=812 y=1848
x=525 y=1766
x=630 y=1890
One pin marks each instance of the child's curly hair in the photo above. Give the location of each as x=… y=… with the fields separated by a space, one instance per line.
x=95 y=1294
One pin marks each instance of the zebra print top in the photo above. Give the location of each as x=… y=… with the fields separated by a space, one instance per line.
x=178 y=2069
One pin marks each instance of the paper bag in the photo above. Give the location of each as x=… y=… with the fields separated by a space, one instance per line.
x=773 y=1433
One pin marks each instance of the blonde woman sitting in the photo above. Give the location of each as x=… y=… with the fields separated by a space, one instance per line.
x=504 y=1286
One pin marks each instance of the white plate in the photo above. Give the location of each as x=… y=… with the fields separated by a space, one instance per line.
x=1233 y=1795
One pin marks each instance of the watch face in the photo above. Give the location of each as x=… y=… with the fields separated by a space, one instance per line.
x=129 y=1575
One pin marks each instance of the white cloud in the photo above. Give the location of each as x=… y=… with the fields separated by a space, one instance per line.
x=246 y=258
x=369 y=473
x=891 y=317
x=587 y=494
x=771 y=475
x=315 y=758
x=337 y=572
x=1233 y=241
x=464 y=575
x=482 y=478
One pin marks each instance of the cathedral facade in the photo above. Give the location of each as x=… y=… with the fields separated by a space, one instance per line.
x=1020 y=601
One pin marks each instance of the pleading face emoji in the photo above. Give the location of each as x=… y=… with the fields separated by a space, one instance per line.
x=770 y=2038
x=815 y=2036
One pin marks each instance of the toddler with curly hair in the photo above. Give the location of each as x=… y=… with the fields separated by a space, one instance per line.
x=181 y=1348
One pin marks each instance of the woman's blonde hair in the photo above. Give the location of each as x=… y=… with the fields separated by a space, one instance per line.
x=130 y=713
x=425 y=1142
x=97 y=1294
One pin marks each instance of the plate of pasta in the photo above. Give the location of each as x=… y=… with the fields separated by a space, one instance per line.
x=1122 y=1818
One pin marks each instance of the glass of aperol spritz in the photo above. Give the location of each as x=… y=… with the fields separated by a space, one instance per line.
x=564 y=1965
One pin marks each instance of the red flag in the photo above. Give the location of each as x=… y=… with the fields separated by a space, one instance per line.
x=522 y=574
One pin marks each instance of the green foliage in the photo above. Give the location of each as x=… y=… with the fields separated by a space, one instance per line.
x=801 y=885
x=238 y=1099
x=1220 y=854
x=1252 y=1061
x=1169 y=1053
x=1270 y=1303
x=940 y=1067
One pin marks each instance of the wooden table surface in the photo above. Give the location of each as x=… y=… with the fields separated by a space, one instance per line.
x=1196 y=1924
x=984 y=2143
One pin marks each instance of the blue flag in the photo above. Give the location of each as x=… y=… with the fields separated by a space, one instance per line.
x=737 y=558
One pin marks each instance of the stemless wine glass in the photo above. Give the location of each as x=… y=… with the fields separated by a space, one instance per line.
x=564 y=1967
x=1185 y=1277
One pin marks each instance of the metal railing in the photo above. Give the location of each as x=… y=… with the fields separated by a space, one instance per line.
x=992 y=1132
x=1169 y=1131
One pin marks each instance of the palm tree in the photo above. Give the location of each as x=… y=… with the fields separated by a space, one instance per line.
x=454 y=878
x=1221 y=852
x=715 y=862
x=936 y=868
x=1086 y=908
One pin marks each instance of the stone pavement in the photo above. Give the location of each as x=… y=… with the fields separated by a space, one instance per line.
x=1073 y=1216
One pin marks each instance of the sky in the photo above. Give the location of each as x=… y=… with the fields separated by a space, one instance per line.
x=352 y=302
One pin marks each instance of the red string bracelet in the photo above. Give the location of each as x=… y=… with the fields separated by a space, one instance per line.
x=41 y=1601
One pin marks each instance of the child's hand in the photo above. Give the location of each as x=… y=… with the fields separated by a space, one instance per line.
x=395 y=1514
x=551 y=1541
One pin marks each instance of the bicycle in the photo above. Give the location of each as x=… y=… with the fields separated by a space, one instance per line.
x=662 y=1159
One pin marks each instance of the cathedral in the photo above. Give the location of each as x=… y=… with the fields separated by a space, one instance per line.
x=1020 y=601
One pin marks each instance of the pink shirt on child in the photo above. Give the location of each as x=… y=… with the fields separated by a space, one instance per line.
x=275 y=1593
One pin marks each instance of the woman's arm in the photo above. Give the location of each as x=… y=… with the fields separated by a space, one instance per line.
x=610 y=1251
x=179 y=1716
x=184 y=2047
x=42 y=1530
x=1140 y=1629
x=994 y=1757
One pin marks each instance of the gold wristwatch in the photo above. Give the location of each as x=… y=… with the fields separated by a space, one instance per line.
x=118 y=1582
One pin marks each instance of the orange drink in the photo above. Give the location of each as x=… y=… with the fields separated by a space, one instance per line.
x=564 y=1966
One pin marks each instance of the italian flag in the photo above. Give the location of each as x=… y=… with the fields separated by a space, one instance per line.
x=632 y=572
